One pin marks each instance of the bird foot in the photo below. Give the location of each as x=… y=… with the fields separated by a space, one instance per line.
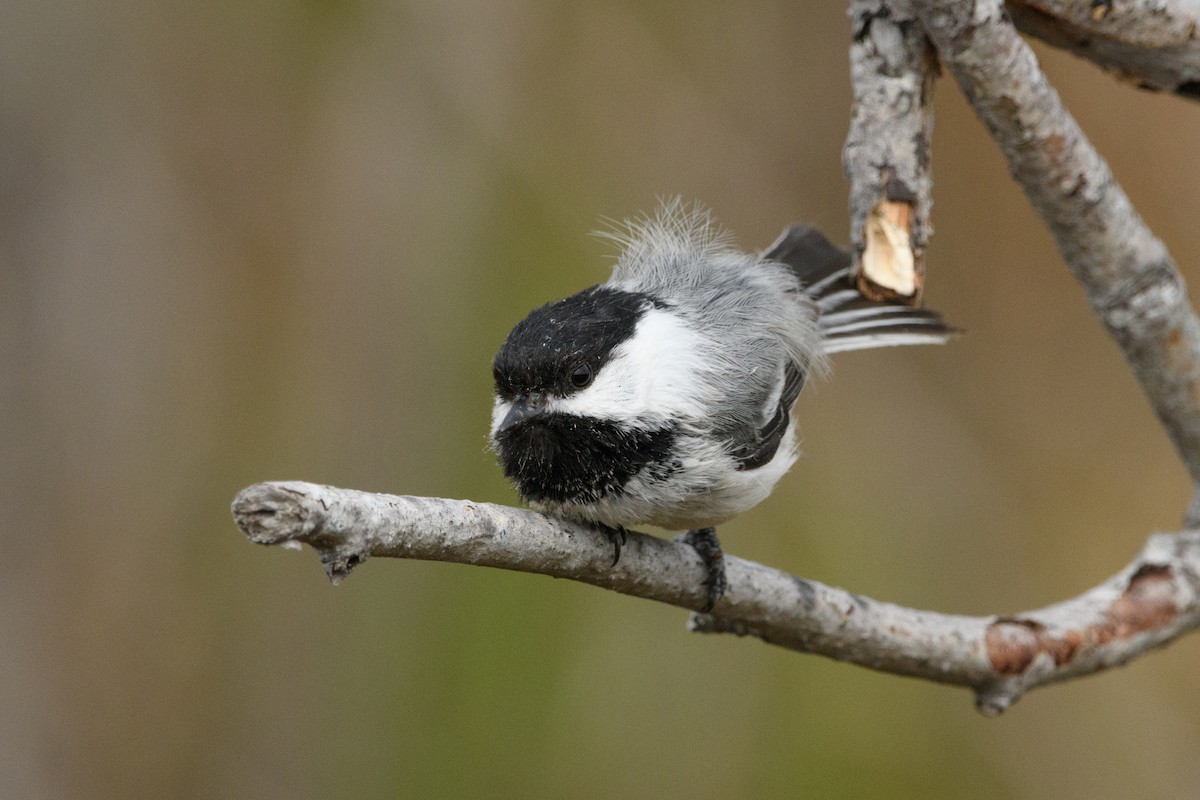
x=704 y=542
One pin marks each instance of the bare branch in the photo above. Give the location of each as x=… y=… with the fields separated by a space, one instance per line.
x=1149 y=603
x=886 y=155
x=1153 y=43
x=1130 y=279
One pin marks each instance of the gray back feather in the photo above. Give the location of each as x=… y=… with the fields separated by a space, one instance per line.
x=752 y=308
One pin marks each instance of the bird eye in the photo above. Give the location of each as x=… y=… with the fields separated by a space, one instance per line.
x=581 y=376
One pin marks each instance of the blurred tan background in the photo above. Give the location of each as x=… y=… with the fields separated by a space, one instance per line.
x=274 y=240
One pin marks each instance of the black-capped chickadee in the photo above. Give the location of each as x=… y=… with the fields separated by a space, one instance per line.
x=662 y=397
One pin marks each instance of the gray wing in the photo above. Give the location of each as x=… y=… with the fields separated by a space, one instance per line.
x=762 y=448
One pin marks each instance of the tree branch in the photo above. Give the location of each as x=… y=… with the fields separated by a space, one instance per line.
x=1150 y=602
x=886 y=156
x=1152 y=43
x=1130 y=280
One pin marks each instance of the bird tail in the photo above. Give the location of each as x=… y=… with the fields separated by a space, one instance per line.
x=848 y=320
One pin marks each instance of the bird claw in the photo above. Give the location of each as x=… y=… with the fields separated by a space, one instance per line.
x=704 y=541
x=618 y=537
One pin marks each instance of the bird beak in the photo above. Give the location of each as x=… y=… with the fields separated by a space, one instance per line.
x=522 y=409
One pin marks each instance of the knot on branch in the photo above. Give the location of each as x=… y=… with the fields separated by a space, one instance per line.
x=1149 y=602
x=1148 y=300
x=1014 y=643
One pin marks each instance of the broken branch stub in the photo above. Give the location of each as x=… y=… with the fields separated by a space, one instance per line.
x=886 y=156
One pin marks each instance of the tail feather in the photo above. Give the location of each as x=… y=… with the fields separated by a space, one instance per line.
x=872 y=311
x=837 y=297
x=850 y=321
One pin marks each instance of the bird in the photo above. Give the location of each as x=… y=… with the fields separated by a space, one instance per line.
x=664 y=395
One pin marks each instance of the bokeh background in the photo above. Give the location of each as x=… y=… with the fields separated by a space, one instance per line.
x=282 y=240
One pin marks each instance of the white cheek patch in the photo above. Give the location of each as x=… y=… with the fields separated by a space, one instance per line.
x=655 y=375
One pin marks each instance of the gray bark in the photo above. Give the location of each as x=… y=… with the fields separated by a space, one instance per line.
x=1152 y=43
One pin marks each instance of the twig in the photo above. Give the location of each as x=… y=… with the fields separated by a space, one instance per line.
x=886 y=156
x=1153 y=43
x=1149 y=603
x=1130 y=279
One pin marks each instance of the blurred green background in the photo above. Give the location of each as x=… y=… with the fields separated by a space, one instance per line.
x=272 y=240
